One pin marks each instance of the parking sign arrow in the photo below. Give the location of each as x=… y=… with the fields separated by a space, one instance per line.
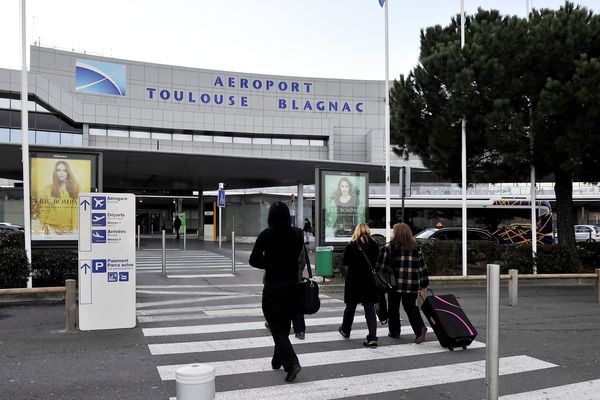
x=85 y=268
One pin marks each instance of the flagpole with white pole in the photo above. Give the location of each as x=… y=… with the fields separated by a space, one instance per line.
x=533 y=194
x=463 y=156
x=25 y=140
x=387 y=131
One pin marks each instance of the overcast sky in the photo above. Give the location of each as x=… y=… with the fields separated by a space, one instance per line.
x=312 y=38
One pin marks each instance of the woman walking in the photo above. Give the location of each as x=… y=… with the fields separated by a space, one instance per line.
x=360 y=256
x=403 y=257
x=277 y=250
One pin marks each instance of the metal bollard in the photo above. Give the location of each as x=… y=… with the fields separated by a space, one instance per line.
x=138 y=238
x=195 y=382
x=70 y=305
x=184 y=237
x=513 y=288
x=233 y=252
x=492 y=332
x=598 y=286
x=152 y=230
x=164 y=253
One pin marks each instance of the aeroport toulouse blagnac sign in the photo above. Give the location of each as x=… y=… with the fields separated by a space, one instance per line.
x=98 y=77
x=255 y=85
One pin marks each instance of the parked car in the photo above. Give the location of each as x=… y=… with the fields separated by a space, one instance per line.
x=587 y=233
x=7 y=226
x=455 y=233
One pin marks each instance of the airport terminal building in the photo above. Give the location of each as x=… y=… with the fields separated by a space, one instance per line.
x=168 y=133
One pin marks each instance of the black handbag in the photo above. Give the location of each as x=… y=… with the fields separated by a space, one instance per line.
x=381 y=309
x=307 y=301
x=382 y=284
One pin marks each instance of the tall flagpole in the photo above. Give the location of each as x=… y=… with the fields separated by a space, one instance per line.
x=533 y=194
x=387 y=131
x=463 y=155
x=25 y=141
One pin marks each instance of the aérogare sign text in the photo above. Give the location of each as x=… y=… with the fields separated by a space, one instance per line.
x=223 y=85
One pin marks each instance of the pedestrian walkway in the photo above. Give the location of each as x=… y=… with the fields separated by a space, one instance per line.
x=221 y=323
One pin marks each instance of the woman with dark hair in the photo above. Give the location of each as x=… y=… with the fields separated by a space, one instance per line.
x=402 y=255
x=57 y=204
x=360 y=285
x=277 y=250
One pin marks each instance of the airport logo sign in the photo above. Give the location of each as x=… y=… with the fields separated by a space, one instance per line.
x=99 y=77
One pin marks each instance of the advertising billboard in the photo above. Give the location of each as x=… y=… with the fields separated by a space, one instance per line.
x=56 y=181
x=343 y=203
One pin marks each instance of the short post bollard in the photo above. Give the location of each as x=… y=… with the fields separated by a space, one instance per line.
x=184 y=237
x=233 y=252
x=492 y=364
x=164 y=253
x=513 y=288
x=195 y=382
x=70 y=305
x=138 y=239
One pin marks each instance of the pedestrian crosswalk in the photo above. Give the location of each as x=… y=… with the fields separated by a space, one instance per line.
x=198 y=323
x=187 y=264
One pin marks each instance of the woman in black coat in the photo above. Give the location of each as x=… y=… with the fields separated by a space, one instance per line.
x=277 y=250
x=360 y=283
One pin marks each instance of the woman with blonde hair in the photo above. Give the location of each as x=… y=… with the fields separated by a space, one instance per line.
x=57 y=203
x=360 y=256
x=402 y=255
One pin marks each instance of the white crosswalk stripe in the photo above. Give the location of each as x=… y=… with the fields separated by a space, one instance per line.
x=223 y=325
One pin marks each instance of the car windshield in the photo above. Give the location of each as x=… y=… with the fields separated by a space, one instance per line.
x=426 y=234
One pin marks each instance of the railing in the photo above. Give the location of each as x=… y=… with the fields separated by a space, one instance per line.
x=70 y=299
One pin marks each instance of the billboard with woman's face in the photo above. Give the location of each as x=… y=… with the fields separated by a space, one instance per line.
x=56 y=181
x=343 y=202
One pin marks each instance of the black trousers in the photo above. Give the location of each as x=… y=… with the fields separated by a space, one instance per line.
x=412 y=311
x=298 y=323
x=278 y=309
x=370 y=316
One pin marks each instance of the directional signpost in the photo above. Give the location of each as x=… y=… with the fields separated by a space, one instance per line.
x=106 y=261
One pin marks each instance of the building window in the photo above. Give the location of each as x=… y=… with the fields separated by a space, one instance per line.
x=5 y=103
x=4 y=135
x=318 y=143
x=139 y=134
x=222 y=139
x=202 y=138
x=161 y=136
x=97 y=132
x=15 y=136
x=70 y=139
x=300 y=142
x=182 y=137
x=117 y=133
x=242 y=140
x=281 y=142
x=257 y=140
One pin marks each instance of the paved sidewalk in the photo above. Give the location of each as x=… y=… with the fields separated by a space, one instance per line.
x=559 y=324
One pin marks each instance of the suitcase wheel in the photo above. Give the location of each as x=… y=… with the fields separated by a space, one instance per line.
x=464 y=347
x=450 y=348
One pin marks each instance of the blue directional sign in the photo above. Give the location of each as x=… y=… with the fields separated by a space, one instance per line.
x=123 y=276
x=221 y=198
x=98 y=202
x=98 y=236
x=113 y=277
x=99 y=266
x=98 y=219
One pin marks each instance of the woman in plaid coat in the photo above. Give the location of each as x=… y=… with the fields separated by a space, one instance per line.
x=402 y=255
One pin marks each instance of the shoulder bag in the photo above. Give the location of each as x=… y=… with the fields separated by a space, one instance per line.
x=382 y=284
x=307 y=301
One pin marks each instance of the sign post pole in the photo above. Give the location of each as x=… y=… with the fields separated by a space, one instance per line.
x=221 y=205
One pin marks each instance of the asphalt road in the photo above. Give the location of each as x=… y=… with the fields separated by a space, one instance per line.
x=550 y=340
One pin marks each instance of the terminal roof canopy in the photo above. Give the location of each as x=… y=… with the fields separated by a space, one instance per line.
x=131 y=170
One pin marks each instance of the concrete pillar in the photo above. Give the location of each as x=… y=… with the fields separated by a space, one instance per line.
x=513 y=288
x=70 y=305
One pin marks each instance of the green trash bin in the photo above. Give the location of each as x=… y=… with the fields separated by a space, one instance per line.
x=324 y=261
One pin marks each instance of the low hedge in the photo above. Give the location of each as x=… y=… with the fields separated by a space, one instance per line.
x=51 y=267
x=444 y=257
x=14 y=268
